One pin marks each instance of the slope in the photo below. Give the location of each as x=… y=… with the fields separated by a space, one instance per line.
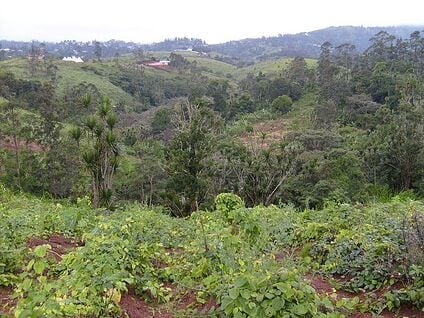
x=70 y=74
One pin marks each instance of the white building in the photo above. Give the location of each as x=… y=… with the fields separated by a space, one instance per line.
x=73 y=59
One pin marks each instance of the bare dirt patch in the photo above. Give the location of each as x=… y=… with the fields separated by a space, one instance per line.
x=189 y=301
x=266 y=133
x=7 y=303
x=8 y=143
x=322 y=286
x=60 y=245
x=135 y=307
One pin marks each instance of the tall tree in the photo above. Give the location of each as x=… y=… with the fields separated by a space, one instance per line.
x=195 y=133
x=100 y=149
x=15 y=130
x=97 y=50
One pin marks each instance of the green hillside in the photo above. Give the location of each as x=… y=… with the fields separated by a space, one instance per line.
x=269 y=67
x=70 y=74
x=213 y=66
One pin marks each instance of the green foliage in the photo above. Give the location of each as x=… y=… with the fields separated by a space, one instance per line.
x=282 y=104
x=187 y=156
x=227 y=203
x=270 y=294
x=161 y=120
x=149 y=251
x=100 y=149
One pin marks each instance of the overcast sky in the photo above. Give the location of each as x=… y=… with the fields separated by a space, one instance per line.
x=214 y=20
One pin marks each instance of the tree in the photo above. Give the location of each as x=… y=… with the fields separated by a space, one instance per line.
x=395 y=148
x=218 y=90
x=161 y=120
x=178 y=61
x=97 y=50
x=344 y=57
x=297 y=71
x=282 y=104
x=34 y=58
x=16 y=129
x=2 y=53
x=187 y=156
x=59 y=169
x=99 y=150
x=255 y=173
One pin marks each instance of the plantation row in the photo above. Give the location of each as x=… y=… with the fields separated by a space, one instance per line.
x=63 y=260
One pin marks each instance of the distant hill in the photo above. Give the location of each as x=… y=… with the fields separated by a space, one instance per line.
x=242 y=52
x=306 y=44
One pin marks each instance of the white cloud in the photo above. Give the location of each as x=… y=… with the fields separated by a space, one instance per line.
x=214 y=21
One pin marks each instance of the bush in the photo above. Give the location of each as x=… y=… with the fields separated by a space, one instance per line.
x=228 y=202
x=282 y=104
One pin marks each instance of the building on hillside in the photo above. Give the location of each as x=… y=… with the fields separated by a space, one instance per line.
x=73 y=59
x=157 y=63
x=163 y=64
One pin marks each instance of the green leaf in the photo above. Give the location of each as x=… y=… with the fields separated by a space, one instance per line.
x=233 y=293
x=301 y=309
x=240 y=281
x=39 y=266
x=30 y=264
x=252 y=305
x=278 y=303
x=41 y=250
x=26 y=284
x=269 y=295
x=245 y=293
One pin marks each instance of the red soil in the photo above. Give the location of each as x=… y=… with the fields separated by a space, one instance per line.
x=135 y=307
x=6 y=301
x=60 y=245
x=324 y=287
x=404 y=312
x=23 y=144
x=188 y=300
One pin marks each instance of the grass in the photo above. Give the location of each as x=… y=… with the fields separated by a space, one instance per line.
x=2 y=101
x=70 y=74
x=213 y=66
x=270 y=67
x=300 y=117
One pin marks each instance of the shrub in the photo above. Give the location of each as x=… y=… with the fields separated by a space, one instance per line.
x=228 y=202
x=282 y=104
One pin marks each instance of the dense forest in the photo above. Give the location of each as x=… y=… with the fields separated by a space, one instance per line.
x=290 y=187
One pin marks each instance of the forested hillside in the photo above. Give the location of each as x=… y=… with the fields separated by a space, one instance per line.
x=177 y=184
x=306 y=44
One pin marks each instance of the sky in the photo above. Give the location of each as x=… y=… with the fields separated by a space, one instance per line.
x=214 y=21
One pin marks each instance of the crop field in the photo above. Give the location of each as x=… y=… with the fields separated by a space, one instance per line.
x=66 y=260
